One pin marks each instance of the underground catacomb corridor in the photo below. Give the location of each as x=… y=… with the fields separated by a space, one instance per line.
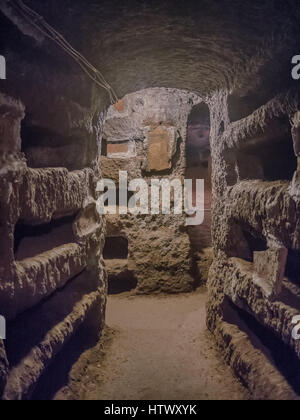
x=149 y=202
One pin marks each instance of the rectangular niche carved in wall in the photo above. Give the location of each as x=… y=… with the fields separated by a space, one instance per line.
x=116 y=248
x=120 y=149
x=30 y=241
x=113 y=148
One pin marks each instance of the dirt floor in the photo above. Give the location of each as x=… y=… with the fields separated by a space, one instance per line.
x=155 y=347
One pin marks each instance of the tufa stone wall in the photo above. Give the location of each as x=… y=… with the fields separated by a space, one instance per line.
x=51 y=266
x=160 y=256
x=254 y=283
x=52 y=277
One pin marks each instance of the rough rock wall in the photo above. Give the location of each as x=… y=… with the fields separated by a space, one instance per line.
x=52 y=278
x=254 y=280
x=201 y=46
x=145 y=134
x=51 y=269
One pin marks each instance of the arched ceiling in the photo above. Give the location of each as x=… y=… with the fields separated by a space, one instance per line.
x=199 y=45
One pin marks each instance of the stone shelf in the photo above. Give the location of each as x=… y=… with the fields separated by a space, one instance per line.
x=40 y=333
x=52 y=192
x=38 y=277
x=268 y=208
x=249 y=359
x=263 y=123
x=240 y=288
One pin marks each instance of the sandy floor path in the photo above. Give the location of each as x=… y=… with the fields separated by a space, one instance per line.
x=156 y=347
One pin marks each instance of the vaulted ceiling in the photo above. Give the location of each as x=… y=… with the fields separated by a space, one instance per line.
x=198 y=45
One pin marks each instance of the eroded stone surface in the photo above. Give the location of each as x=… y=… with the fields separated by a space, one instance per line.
x=239 y=62
x=41 y=295
x=255 y=228
x=160 y=141
x=3 y=367
x=270 y=266
x=159 y=248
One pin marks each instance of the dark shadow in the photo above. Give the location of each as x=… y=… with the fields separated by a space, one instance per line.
x=196 y=274
x=44 y=148
x=30 y=241
x=198 y=166
x=57 y=375
x=120 y=283
x=104 y=147
x=293 y=266
x=30 y=328
x=289 y=297
x=115 y=248
x=279 y=354
x=255 y=244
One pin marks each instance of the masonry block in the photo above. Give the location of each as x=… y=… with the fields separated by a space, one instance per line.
x=269 y=266
x=159 y=141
